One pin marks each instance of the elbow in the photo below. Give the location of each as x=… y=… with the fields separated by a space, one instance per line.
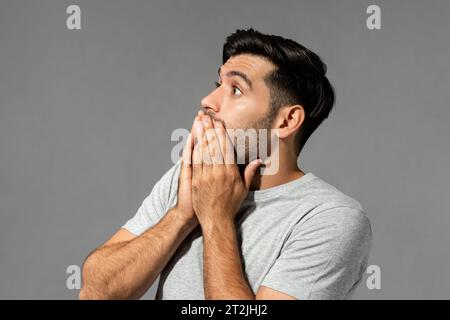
x=90 y=290
x=97 y=286
x=93 y=293
x=84 y=294
x=87 y=293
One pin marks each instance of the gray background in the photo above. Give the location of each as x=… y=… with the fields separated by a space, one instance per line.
x=86 y=118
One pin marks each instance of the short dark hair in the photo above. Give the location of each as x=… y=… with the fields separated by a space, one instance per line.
x=299 y=77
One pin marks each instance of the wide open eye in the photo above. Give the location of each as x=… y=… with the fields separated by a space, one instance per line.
x=236 y=88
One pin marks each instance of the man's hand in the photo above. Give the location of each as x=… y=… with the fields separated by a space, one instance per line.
x=184 y=202
x=217 y=187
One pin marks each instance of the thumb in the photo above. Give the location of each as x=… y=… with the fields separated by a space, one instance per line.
x=186 y=164
x=250 y=171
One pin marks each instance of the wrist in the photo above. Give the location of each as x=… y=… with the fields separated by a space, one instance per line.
x=187 y=220
x=218 y=227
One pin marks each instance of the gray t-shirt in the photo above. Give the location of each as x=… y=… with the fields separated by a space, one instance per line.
x=304 y=238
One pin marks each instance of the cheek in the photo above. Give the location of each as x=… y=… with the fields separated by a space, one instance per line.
x=247 y=111
x=242 y=112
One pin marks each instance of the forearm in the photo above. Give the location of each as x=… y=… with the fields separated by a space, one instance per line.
x=126 y=270
x=224 y=277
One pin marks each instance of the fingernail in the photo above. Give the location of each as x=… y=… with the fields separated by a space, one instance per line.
x=206 y=119
x=256 y=162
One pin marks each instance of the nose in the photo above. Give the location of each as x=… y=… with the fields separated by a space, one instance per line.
x=210 y=103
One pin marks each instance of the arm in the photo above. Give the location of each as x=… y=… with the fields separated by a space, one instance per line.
x=223 y=274
x=126 y=266
x=126 y=269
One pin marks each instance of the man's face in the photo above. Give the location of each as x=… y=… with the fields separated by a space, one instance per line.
x=241 y=99
x=236 y=102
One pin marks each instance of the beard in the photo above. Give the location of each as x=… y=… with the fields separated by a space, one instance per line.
x=250 y=141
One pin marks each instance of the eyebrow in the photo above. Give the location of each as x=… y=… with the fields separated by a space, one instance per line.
x=240 y=74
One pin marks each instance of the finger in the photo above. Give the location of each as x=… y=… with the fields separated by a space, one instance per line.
x=225 y=143
x=186 y=158
x=203 y=143
x=221 y=139
x=250 y=171
x=203 y=148
x=213 y=145
x=196 y=154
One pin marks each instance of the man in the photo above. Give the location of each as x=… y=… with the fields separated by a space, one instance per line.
x=214 y=229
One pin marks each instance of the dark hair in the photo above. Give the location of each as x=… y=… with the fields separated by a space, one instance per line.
x=299 y=77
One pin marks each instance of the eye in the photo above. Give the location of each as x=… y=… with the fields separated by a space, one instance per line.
x=217 y=84
x=236 y=88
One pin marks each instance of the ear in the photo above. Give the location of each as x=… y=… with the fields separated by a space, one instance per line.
x=289 y=120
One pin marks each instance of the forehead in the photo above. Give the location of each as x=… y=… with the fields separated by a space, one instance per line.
x=256 y=67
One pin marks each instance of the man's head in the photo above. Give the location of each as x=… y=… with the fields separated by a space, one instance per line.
x=267 y=81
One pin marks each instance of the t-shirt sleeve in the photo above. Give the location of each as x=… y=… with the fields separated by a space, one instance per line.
x=156 y=204
x=324 y=257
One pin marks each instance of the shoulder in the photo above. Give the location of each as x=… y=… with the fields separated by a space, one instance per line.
x=326 y=199
x=345 y=223
x=340 y=217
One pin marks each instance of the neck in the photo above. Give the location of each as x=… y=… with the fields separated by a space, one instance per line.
x=285 y=173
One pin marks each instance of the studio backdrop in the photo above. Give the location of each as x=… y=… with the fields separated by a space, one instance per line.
x=91 y=92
